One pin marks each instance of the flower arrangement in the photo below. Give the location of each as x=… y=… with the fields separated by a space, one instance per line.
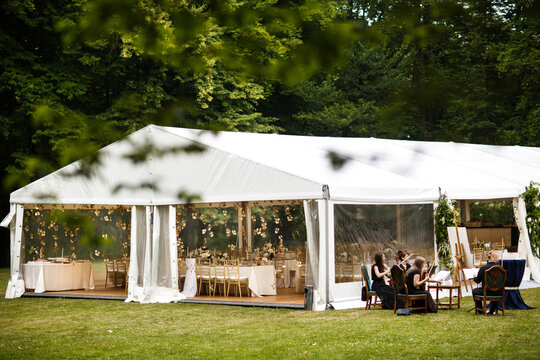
x=444 y=218
x=268 y=252
x=531 y=196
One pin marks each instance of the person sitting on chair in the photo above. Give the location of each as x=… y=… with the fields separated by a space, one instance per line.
x=384 y=291
x=493 y=260
x=417 y=285
x=401 y=259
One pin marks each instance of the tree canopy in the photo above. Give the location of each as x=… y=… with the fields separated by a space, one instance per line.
x=79 y=74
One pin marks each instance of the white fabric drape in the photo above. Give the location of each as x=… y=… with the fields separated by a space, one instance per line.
x=190 y=283
x=139 y=222
x=321 y=295
x=524 y=245
x=312 y=251
x=15 y=286
x=153 y=263
x=315 y=256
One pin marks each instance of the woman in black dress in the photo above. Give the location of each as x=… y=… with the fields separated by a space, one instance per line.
x=378 y=272
x=401 y=259
x=416 y=285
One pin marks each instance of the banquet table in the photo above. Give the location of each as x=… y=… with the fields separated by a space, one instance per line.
x=290 y=264
x=261 y=279
x=48 y=276
x=514 y=274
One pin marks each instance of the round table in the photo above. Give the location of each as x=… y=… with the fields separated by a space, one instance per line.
x=514 y=274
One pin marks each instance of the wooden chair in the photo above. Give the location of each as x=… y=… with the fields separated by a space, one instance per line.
x=494 y=281
x=301 y=278
x=181 y=274
x=220 y=278
x=204 y=277
x=110 y=272
x=236 y=279
x=121 y=272
x=279 y=266
x=401 y=292
x=372 y=298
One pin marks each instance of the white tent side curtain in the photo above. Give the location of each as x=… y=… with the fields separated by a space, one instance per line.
x=313 y=278
x=524 y=245
x=16 y=283
x=153 y=256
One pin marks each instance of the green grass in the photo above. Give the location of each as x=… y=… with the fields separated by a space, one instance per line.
x=57 y=328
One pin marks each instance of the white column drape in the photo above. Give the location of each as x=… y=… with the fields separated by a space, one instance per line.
x=139 y=225
x=312 y=251
x=15 y=286
x=155 y=274
x=321 y=296
x=524 y=245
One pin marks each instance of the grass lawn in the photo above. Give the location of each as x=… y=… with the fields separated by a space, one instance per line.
x=56 y=328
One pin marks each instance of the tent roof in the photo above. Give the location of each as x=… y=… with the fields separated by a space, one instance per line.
x=252 y=167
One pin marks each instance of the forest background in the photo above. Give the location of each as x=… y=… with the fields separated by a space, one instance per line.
x=76 y=75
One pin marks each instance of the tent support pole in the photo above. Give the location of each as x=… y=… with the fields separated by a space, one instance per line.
x=399 y=223
x=247 y=224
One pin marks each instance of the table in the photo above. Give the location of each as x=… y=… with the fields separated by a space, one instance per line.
x=47 y=276
x=450 y=289
x=261 y=279
x=288 y=281
x=514 y=274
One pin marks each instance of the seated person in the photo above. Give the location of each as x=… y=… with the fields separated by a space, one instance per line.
x=417 y=285
x=493 y=260
x=401 y=260
x=384 y=291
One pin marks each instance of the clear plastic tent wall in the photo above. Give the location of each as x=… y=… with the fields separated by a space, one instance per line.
x=362 y=230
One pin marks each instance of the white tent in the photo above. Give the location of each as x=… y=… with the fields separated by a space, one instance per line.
x=244 y=167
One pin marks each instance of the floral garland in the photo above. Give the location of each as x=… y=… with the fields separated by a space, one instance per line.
x=531 y=196
x=444 y=218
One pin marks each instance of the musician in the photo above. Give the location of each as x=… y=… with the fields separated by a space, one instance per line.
x=493 y=260
x=379 y=271
x=417 y=285
x=401 y=259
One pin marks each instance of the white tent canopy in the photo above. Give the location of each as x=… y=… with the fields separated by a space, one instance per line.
x=237 y=167
x=247 y=166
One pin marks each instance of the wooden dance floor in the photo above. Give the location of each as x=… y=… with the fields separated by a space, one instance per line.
x=285 y=298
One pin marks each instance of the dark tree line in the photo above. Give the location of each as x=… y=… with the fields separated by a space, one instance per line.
x=76 y=75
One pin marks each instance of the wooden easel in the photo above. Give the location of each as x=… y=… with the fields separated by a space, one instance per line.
x=461 y=259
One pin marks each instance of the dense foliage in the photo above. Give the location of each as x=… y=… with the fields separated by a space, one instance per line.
x=444 y=218
x=79 y=74
x=531 y=196
x=492 y=213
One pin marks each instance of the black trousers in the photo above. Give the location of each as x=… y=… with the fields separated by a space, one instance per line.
x=480 y=292
x=431 y=306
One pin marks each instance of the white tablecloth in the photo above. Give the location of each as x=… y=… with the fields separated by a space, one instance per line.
x=261 y=279
x=190 y=282
x=46 y=276
x=290 y=264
